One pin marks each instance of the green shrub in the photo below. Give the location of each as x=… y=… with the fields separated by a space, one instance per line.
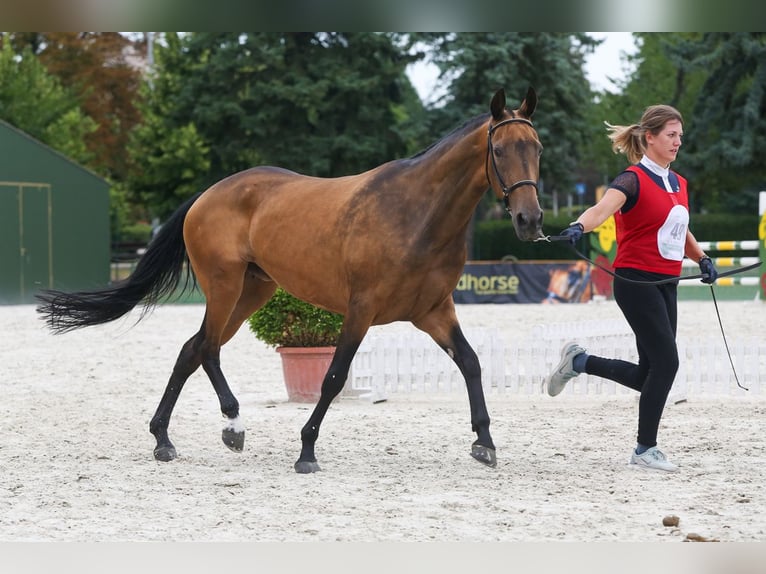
x=136 y=233
x=285 y=321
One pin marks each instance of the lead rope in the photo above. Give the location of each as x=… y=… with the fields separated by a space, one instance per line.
x=662 y=281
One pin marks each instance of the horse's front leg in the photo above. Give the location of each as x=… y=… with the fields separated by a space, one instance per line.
x=443 y=327
x=332 y=384
x=483 y=449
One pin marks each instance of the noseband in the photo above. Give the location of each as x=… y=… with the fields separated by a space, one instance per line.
x=506 y=190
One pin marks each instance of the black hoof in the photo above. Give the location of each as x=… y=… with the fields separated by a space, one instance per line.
x=233 y=439
x=484 y=455
x=165 y=453
x=305 y=467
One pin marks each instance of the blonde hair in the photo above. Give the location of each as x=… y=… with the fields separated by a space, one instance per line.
x=631 y=140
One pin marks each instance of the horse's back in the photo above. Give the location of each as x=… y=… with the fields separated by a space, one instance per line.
x=276 y=187
x=290 y=225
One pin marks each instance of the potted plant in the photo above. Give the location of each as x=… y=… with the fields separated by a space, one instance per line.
x=305 y=337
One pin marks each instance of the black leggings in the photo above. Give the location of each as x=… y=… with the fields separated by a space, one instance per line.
x=651 y=312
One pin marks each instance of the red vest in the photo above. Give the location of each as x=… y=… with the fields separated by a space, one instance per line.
x=651 y=236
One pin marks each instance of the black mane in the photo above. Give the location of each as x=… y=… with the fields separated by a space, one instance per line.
x=457 y=133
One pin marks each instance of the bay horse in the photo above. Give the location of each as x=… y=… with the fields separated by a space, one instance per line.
x=381 y=246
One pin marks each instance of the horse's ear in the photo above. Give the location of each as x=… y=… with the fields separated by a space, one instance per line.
x=498 y=104
x=529 y=104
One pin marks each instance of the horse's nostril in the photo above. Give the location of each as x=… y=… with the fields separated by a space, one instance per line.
x=523 y=219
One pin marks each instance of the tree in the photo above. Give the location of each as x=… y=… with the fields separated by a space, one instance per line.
x=35 y=101
x=103 y=70
x=728 y=150
x=325 y=104
x=474 y=65
x=659 y=77
x=717 y=82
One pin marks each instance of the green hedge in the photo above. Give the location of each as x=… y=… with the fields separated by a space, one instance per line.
x=135 y=233
x=496 y=239
x=725 y=227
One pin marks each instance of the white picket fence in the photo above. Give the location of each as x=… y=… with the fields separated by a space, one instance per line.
x=412 y=362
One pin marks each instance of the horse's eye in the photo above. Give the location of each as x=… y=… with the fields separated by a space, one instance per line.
x=498 y=151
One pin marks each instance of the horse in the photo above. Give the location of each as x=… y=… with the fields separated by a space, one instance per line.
x=385 y=245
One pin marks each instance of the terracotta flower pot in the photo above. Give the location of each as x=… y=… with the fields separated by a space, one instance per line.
x=304 y=369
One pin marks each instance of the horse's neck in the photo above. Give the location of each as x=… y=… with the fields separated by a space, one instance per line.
x=456 y=184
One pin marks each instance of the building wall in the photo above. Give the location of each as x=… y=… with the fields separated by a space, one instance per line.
x=54 y=220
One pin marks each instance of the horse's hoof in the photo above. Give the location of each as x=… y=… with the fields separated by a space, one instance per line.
x=305 y=467
x=484 y=455
x=233 y=439
x=164 y=453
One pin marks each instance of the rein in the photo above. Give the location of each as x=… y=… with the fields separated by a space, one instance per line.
x=506 y=190
x=550 y=238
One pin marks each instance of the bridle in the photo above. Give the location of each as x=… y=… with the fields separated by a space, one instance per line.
x=506 y=190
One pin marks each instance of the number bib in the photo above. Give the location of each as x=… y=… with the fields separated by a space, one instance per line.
x=671 y=237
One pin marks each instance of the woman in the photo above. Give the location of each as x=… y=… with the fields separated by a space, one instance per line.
x=651 y=209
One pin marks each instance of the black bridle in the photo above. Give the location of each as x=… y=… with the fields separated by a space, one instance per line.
x=506 y=190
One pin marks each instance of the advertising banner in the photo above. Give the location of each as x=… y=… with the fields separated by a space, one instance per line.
x=527 y=282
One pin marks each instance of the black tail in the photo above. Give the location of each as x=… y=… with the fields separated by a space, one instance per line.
x=157 y=275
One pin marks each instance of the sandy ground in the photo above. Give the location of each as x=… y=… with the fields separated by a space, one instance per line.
x=77 y=464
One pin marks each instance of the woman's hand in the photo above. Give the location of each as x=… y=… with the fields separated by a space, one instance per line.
x=707 y=267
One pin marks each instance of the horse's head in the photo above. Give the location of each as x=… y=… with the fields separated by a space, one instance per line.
x=513 y=152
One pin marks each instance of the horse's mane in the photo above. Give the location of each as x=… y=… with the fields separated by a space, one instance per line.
x=467 y=126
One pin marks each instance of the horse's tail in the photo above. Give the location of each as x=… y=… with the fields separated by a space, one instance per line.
x=157 y=275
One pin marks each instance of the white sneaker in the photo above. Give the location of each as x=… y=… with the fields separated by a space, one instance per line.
x=652 y=459
x=557 y=380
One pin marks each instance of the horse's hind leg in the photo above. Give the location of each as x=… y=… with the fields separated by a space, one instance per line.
x=444 y=328
x=195 y=352
x=223 y=316
x=231 y=297
x=188 y=361
x=254 y=294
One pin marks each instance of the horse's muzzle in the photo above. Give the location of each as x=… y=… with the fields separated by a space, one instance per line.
x=529 y=226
